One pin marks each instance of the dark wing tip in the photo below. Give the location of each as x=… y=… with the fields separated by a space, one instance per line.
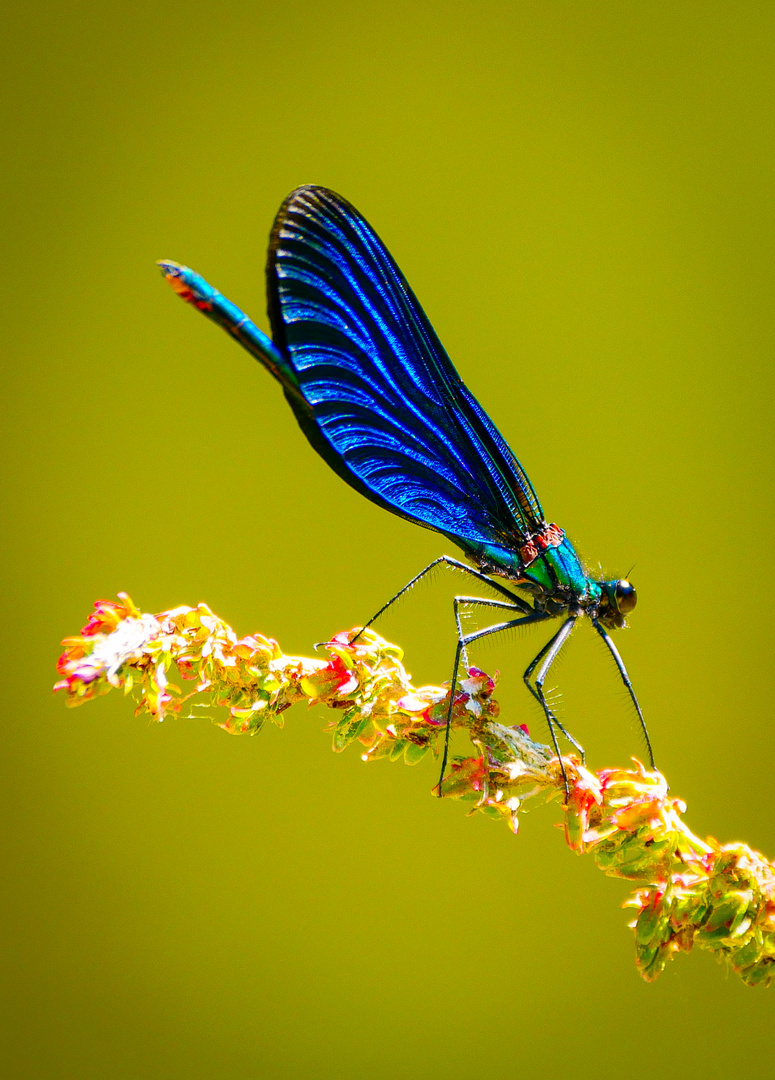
x=304 y=200
x=312 y=191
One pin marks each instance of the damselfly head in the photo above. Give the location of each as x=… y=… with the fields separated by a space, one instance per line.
x=619 y=599
x=625 y=596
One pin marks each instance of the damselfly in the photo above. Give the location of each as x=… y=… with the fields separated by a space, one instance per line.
x=377 y=396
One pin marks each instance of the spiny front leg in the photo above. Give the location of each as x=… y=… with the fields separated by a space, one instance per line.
x=626 y=680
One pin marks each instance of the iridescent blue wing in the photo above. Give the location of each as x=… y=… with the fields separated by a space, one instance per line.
x=380 y=399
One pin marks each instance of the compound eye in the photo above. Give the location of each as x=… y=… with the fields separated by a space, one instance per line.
x=626 y=597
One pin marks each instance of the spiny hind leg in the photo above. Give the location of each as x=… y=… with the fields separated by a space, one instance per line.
x=453 y=564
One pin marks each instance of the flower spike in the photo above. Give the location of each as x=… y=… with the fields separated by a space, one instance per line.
x=690 y=892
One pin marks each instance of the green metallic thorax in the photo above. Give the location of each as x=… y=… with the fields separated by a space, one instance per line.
x=556 y=577
x=559 y=569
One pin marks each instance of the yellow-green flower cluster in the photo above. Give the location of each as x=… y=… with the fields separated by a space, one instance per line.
x=691 y=892
x=364 y=680
x=123 y=648
x=718 y=897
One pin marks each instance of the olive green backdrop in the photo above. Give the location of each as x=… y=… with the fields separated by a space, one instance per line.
x=581 y=196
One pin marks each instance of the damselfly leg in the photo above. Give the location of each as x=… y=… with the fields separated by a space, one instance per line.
x=540 y=698
x=453 y=564
x=626 y=680
x=546 y=658
x=464 y=640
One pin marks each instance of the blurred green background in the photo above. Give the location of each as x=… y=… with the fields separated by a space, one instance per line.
x=581 y=196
